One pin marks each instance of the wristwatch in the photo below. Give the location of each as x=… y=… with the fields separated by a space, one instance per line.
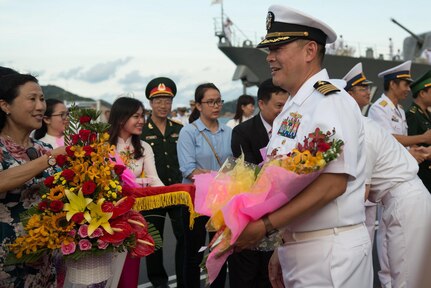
x=270 y=230
x=51 y=159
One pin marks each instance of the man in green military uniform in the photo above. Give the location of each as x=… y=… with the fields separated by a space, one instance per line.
x=162 y=134
x=419 y=120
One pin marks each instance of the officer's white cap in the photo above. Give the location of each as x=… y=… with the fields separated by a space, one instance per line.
x=355 y=77
x=285 y=24
x=401 y=71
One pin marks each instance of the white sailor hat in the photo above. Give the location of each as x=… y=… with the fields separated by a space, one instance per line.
x=401 y=71
x=356 y=77
x=285 y=24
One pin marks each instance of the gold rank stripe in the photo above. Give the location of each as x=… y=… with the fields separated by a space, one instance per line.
x=274 y=40
x=358 y=81
x=284 y=34
x=404 y=76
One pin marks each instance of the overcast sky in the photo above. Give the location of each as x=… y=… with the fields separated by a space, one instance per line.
x=105 y=48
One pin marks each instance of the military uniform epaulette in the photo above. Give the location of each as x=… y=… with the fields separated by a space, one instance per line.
x=174 y=121
x=325 y=87
x=413 y=109
x=383 y=103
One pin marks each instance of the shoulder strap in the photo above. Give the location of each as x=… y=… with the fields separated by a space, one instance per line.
x=209 y=143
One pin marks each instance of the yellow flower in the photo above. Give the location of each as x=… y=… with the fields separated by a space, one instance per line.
x=77 y=204
x=97 y=217
x=56 y=193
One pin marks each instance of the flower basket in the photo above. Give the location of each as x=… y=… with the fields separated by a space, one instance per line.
x=90 y=269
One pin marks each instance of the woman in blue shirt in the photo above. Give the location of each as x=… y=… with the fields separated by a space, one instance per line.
x=203 y=145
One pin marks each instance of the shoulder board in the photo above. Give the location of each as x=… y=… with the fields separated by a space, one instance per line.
x=176 y=122
x=413 y=109
x=383 y=103
x=325 y=87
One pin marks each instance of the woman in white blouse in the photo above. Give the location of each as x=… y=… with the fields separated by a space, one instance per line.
x=127 y=120
x=244 y=110
x=54 y=123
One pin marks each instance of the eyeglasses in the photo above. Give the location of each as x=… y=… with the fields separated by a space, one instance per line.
x=162 y=101
x=63 y=115
x=212 y=103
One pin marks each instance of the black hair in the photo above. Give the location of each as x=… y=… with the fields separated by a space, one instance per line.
x=50 y=104
x=122 y=109
x=266 y=89
x=7 y=71
x=243 y=100
x=199 y=95
x=9 y=90
x=387 y=83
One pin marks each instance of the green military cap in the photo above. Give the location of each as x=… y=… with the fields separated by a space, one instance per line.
x=421 y=83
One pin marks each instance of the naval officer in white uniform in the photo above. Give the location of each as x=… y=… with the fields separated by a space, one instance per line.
x=325 y=241
x=388 y=112
x=391 y=174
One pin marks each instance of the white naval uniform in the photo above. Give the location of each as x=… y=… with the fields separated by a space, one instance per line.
x=392 y=119
x=342 y=259
x=407 y=203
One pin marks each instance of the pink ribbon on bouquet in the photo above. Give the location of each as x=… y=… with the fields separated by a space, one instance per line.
x=274 y=188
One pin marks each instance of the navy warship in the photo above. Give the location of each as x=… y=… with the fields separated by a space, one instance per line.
x=252 y=68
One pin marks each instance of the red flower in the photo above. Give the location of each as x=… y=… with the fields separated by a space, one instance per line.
x=49 y=181
x=68 y=174
x=88 y=187
x=124 y=205
x=75 y=139
x=122 y=230
x=144 y=245
x=136 y=220
x=69 y=152
x=323 y=146
x=93 y=137
x=84 y=134
x=61 y=159
x=119 y=169
x=107 y=207
x=78 y=217
x=87 y=150
x=42 y=205
x=84 y=119
x=56 y=206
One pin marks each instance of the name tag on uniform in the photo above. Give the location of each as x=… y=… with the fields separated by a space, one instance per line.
x=175 y=135
x=289 y=126
x=151 y=137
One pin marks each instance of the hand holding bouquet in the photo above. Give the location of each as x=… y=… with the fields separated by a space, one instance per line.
x=281 y=178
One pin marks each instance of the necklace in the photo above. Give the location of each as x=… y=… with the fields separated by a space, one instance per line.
x=24 y=145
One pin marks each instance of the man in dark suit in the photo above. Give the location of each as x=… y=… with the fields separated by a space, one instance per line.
x=249 y=268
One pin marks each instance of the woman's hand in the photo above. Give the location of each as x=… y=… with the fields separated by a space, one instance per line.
x=275 y=273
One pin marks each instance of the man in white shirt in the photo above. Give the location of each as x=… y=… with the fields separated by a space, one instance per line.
x=325 y=241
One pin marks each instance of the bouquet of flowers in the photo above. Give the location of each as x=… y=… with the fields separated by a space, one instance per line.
x=281 y=178
x=83 y=211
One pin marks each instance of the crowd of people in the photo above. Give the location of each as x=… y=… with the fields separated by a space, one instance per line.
x=327 y=230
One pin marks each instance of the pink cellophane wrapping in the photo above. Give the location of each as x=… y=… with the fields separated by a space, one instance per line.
x=274 y=188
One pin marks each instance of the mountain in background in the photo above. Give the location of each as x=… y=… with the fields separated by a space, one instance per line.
x=52 y=91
